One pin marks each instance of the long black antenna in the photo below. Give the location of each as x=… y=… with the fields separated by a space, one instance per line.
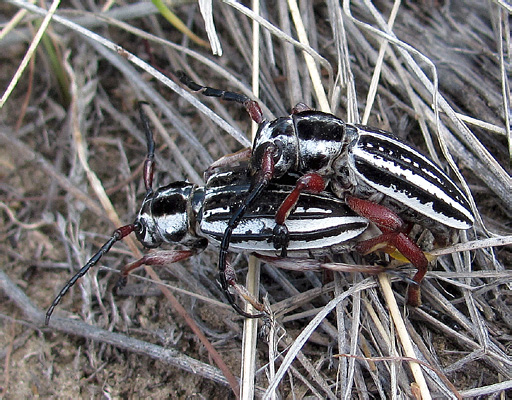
x=122 y=232
x=252 y=106
x=118 y=234
x=149 y=163
x=224 y=246
x=263 y=178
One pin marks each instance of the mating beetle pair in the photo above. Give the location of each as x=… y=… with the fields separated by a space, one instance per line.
x=380 y=178
x=186 y=214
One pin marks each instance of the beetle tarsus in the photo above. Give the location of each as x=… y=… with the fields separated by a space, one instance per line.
x=281 y=239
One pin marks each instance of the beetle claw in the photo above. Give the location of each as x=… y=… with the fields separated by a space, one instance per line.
x=281 y=239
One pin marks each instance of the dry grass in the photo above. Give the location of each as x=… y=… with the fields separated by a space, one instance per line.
x=71 y=147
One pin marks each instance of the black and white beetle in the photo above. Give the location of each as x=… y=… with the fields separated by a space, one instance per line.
x=184 y=213
x=379 y=176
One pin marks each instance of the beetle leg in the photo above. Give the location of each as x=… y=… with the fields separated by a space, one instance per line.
x=382 y=216
x=393 y=229
x=252 y=107
x=229 y=159
x=312 y=264
x=312 y=183
x=155 y=258
x=159 y=258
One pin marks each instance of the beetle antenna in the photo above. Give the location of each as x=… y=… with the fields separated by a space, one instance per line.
x=263 y=178
x=224 y=245
x=118 y=234
x=124 y=231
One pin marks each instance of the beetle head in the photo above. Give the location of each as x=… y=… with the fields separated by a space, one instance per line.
x=164 y=215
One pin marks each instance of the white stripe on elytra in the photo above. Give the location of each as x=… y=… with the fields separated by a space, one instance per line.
x=295 y=227
x=295 y=245
x=424 y=208
x=433 y=170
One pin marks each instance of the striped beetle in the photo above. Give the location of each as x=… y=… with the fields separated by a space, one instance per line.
x=379 y=176
x=184 y=213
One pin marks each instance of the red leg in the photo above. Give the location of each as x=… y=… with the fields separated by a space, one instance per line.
x=312 y=183
x=394 y=235
x=154 y=258
x=382 y=216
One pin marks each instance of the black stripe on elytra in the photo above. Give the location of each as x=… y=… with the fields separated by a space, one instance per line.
x=384 y=178
x=418 y=164
x=318 y=234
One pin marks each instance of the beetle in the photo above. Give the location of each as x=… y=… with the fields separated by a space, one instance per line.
x=193 y=216
x=378 y=175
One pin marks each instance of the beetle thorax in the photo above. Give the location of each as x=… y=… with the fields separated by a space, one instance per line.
x=321 y=140
x=281 y=134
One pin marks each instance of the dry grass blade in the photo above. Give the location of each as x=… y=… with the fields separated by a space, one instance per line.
x=30 y=52
x=436 y=74
x=73 y=327
x=250 y=335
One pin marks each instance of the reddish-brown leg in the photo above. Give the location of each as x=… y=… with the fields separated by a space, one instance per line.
x=394 y=235
x=312 y=183
x=228 y=160
x=300 y=107
x=155 y=258
x=312 y=264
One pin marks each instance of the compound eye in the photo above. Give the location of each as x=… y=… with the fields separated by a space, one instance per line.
x=140 y=229
x=278 y=152
x=146 y=233
x=283 y=158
